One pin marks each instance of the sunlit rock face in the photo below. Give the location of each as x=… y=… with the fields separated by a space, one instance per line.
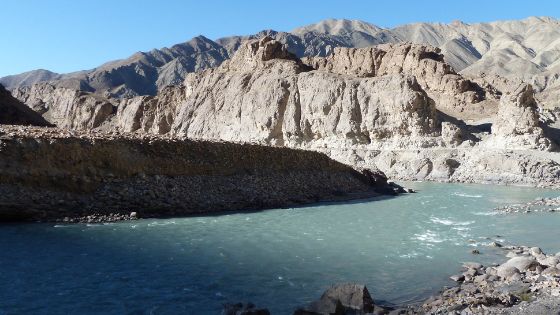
x=517 y=124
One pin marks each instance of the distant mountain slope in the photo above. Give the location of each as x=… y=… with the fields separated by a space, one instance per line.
x=143 y=73
x=527 y=50
x=28 y=78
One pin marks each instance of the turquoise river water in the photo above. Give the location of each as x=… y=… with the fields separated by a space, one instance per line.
x=404 y=249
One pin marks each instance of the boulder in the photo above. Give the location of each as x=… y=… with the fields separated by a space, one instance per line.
x=324 y=306
x=506 y=272
x=472 y=265
x=451 y=133
x=522 y=263
x=551 y=271
x=550 y=261
x=347 y=298
x=515 y=288
x=352 y=296
x=535 y=251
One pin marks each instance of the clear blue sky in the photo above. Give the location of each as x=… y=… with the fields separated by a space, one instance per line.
x=70 y=35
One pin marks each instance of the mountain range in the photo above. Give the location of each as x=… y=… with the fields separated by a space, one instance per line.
x=498 y=52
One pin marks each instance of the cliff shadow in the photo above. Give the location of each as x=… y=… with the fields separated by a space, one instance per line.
x=468 y=129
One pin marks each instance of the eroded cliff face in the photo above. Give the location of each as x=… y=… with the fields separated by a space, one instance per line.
x=149 y=114
x=452 y=93
x=282 y=102
x=517 y=124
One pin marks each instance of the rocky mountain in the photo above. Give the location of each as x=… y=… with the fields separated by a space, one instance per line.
x=143 y=73
x=521 y=50
x=29 y=78
x=518 y=50
x=67 y=107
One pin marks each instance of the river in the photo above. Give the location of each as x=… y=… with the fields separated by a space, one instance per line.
x=403 y=248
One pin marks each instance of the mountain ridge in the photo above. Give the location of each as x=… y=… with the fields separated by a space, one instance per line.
x=519 y=50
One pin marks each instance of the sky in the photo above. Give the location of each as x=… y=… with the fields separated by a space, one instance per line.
x=71 y=35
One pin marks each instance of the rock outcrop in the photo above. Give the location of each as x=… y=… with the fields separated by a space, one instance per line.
x=452 y=93
x=50 y=174
x=14 y=112
x=282 y=102
x=527 y=283
x=517 y=124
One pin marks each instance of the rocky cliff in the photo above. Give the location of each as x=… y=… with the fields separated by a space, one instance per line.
x=395 y=107
x=280 y=101
x=48 y=174
x=453 y=94
x=517 y=124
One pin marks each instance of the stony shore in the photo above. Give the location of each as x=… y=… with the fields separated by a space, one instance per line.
x=524 y=283
x=538 y=205
x=527 y=282
x=49 y=174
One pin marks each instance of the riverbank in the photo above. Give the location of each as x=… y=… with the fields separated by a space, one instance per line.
x=528 y=282
x=49 y=174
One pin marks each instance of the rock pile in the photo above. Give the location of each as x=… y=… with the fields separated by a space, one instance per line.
x=527 y=283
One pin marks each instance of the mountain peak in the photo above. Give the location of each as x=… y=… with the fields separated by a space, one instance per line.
x=339 y=27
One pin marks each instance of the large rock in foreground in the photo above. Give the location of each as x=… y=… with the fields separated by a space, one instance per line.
x=341 y=299
x=47 y=174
